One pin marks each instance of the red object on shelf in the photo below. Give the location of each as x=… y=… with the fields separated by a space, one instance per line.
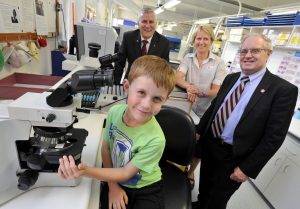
x=17 y=84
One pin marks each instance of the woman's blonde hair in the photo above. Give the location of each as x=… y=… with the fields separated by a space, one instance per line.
x=207 y=29
x=156 y=68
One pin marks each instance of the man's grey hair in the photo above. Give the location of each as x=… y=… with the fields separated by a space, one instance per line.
x=144 y=11
x=267 y=42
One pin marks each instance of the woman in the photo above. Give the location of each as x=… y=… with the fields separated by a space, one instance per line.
x=201 y=73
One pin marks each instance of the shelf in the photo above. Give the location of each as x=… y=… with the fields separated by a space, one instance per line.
x=287 y=47
x=267 y=26
x=276 y=47
x=234 y=42
x=277 y=34
x=7 y=37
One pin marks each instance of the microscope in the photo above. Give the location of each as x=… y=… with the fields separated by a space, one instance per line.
x=40 y=130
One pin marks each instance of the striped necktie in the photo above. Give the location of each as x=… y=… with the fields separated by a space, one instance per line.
x=224 y=112
x=144 y=47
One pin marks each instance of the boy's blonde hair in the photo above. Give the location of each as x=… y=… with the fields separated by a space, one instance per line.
x=156 y=68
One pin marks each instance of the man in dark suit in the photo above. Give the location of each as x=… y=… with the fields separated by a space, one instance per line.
x=132 y=43
x=235 y=143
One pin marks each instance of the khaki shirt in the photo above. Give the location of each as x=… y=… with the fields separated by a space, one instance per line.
x=211 y=71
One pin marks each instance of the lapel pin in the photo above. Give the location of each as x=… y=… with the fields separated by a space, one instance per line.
x=262 y=91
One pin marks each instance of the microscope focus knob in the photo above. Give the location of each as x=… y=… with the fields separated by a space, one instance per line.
x=27 y=179
x=51 y=117
x=36 y=162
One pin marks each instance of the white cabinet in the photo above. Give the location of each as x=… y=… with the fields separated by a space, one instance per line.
x=268 y=172
x=284 y=189
x=246 y=197
x=279 y=181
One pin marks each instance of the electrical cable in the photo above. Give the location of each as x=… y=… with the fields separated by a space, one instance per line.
x=240 y=8
x=88 y=110
x=64 y=23
x=100 y=107
x=56 y=30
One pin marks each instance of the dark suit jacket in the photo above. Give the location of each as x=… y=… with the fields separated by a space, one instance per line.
x=131 y=49
x=263 y=125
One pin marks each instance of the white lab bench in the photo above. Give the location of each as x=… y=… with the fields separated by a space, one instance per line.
x=83 y=196
x=86 y=194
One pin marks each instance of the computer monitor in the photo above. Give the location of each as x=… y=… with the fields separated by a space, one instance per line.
x=122 y=30
x=86 y=33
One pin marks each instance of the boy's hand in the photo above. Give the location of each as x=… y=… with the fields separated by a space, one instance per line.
x=117 y=197
x=69 y=170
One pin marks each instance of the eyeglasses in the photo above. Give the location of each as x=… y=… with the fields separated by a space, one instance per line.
x=244 y=52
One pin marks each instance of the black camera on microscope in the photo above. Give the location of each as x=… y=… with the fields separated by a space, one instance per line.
x=85 y=80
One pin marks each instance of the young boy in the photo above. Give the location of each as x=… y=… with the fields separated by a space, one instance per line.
x=133 y=141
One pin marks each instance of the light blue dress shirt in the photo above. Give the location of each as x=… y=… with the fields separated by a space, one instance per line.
x=237 y=112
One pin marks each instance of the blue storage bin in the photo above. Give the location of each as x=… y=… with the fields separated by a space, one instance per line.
x=56 y=59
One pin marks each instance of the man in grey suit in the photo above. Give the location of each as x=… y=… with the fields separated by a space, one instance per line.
x=132 y=43
x=236 y=141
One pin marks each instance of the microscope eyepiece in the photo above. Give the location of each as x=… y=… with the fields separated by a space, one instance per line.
x=84 y=80
x=107 y=60
x=94 y=48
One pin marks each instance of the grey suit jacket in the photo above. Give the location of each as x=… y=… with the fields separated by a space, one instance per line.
x=263 y=125
x=131 y=49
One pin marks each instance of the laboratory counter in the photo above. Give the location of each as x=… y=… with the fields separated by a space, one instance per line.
x=86 y=194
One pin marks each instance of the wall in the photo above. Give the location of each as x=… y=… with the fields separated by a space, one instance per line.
x=43 y=66
x=30 y=21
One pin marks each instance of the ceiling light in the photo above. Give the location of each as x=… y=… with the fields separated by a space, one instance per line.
x=171 y=3
x=159 y=10
x=202 y=21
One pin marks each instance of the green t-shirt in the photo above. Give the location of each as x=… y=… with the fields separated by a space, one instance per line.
x=142 y=146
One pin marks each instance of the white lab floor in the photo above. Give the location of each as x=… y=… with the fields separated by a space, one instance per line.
x=244 y=198
x=195 y=190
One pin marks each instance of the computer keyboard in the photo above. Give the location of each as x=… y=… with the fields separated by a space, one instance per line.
x=113 y=90
x=89 y=98
x=102 y=97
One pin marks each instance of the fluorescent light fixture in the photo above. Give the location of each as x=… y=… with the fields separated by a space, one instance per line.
x=167 y=5
x=284 y=12
x=171 y=3
x=159 y=10
x=202 y=21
